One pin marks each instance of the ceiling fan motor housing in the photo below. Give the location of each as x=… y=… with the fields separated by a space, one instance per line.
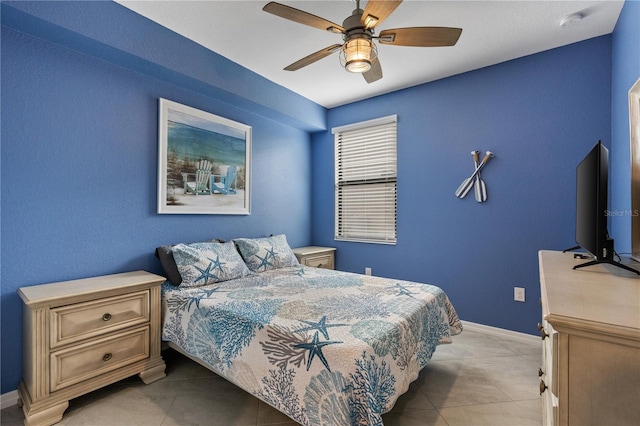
x=354 y=21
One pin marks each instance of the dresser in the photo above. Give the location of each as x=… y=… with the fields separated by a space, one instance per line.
x=84 y=334
x=590 y=329
x=318 y=257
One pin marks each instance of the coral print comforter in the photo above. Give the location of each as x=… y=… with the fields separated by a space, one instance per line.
x=324 y=347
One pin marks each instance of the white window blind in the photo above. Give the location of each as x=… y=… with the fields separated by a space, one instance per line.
x=365 y=181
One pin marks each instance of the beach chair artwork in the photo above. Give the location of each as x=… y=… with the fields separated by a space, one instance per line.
x=225 y=184
x=198 y=183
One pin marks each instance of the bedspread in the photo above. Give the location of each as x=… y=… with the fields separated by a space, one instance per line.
x=324 y=347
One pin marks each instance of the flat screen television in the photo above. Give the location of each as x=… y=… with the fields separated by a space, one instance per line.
x=592 y=184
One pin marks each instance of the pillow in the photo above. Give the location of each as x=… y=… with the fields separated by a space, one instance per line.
x=264 y=254
x=163 y=253
x=207 y=263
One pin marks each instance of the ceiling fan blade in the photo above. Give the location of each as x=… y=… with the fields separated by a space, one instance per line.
x=421 y=36
x=301 y=17
x=374 y=73
x=377 y=11
x=308 y=60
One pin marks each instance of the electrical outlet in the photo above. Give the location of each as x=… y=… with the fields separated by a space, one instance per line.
x=518 y=294
x=367 y=271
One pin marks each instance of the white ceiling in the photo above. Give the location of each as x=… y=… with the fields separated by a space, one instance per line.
x=493 y=32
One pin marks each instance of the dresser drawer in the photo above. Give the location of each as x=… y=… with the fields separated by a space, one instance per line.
x=321 y=261
x=85 y=320
x=82 y=362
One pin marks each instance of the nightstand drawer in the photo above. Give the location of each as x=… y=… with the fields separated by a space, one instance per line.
x=85 y=320
x=82 y=362
x=322 y=261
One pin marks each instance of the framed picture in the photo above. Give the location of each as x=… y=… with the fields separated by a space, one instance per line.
x=204 y=162
x=634 y=130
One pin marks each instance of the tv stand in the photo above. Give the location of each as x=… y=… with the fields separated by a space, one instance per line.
x=610 y=262
x=571 y=249
x=590 y=333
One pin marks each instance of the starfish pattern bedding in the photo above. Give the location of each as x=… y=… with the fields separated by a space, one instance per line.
x=324 y=347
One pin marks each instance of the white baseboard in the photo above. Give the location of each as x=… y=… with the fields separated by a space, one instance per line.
x=500 y=332
x=8 y=399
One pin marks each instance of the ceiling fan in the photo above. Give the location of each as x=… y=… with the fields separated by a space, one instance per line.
x=359 y=53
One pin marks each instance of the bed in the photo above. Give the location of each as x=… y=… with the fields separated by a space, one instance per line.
x=323 y=347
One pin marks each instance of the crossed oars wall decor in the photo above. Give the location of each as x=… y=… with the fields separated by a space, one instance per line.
x=475 y=180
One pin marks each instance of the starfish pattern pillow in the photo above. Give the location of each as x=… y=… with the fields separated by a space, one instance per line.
x=168 y=263
x=207 y=263
x=264 y=254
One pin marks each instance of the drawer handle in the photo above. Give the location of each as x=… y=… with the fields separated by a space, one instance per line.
x=540 y=372
x=106 y=317
x=543 y=387
x=543 y=333
x=107 y=356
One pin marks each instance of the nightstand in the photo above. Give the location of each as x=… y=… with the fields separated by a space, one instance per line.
x=318 y=257
x=81 y=335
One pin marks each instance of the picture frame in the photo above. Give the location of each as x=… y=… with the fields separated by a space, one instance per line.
x=634 y=133
x=204 y=162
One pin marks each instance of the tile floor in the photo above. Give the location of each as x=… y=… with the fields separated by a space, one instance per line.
x=480 y=379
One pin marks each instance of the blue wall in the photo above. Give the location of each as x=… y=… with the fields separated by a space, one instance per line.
x=626 y=71
x=79 y=158
x=79 y=155
x=540 y=115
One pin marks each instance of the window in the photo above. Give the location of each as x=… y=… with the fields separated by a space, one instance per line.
x=365 y=181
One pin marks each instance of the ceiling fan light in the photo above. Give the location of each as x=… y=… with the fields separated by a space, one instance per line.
x=357 y=54
x=358 y=66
